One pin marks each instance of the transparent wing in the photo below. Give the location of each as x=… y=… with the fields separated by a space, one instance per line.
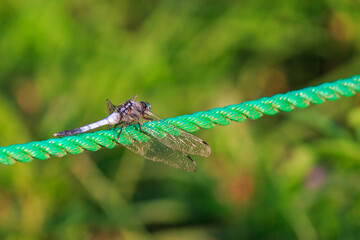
x=110 y=107
x=158 y=152
x=178 y=139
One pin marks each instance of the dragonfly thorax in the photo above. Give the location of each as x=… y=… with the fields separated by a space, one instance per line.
x=130 y=111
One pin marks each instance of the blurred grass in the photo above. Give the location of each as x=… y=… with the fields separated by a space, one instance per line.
x=293 y=175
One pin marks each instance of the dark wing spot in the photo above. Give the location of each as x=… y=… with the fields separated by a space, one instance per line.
x=205 y=143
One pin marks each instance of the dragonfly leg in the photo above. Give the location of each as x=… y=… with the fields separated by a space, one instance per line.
x=147 y=118
x=125 y=125
x=120 y=132
x=122 y=127
x=116 y=125
x=140 y=126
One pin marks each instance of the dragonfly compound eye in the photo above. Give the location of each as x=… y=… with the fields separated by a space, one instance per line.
x=146 y=105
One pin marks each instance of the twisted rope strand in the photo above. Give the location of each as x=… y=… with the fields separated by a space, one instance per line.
x=59 y=147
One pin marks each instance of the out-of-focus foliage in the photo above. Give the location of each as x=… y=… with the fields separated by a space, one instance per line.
x=289 y=176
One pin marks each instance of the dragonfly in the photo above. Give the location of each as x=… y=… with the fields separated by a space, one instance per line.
x=172 y=147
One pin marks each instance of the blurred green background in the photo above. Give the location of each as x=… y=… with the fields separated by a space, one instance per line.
x=290 y=176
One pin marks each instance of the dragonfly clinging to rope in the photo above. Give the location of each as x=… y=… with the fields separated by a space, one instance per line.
x=169 y=148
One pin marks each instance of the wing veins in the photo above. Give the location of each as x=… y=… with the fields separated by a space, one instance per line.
x=182 y=141
x=154 y=150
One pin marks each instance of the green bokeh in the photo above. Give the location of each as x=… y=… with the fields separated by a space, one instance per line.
x=289 y=176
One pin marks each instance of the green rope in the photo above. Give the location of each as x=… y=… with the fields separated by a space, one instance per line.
x=59 y=147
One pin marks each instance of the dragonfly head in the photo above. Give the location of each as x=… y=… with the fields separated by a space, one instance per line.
x=146 y=105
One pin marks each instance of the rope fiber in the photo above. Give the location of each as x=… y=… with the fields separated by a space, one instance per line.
x=59 y=147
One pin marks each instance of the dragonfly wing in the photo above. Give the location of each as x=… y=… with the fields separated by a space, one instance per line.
x=178 y=139
x=110 y=107
x=156 y=151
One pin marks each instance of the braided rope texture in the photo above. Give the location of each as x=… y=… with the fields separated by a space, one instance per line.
x=59 y=147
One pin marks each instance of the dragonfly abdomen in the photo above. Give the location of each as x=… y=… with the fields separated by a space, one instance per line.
x=112 y=119
x=68 y=132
